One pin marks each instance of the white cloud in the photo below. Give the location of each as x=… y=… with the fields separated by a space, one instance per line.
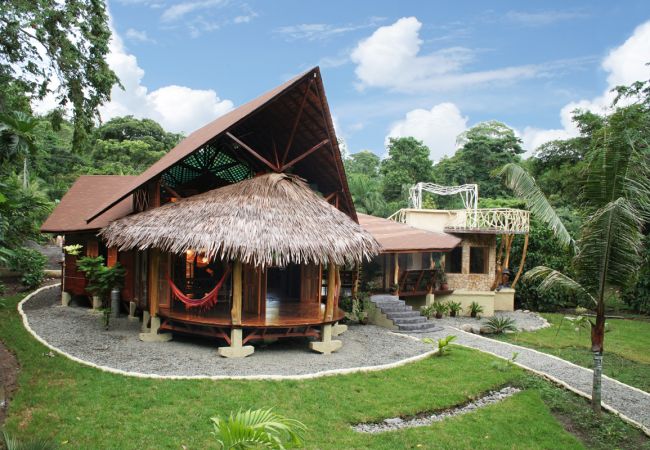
x=390 y=58
x=138 y=36
x=180 y=10
x=437 y=128
x=625 y=64
x=541 y=18
x=176 y=108
x=322 y=31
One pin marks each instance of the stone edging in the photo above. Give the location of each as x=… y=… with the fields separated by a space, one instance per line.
x=561 y=383
x=107 y=369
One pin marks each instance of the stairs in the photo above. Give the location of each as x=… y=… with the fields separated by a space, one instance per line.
x=403 y=317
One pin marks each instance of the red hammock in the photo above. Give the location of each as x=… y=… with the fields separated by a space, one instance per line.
x=205 y=303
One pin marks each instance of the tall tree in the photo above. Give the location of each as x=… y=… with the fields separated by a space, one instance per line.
x=364 y=162
x=407 y=164
x=484 y=148
x=49 y=46
x=616 y=196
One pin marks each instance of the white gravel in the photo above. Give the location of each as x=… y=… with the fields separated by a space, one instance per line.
x=423 y=420
x=629 y=401
x=524 y=320
x=77 y=331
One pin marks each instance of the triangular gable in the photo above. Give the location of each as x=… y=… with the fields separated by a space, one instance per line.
x=286 y=129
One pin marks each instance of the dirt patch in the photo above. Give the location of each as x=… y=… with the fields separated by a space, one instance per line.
x=13 y=285
x=634 y=441
x=8 y=377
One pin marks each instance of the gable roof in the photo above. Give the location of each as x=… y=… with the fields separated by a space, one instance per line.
x=396 y=237
x=82 y=199
x=263 y=123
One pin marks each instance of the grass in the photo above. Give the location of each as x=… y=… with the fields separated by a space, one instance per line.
x=626 y=357
x=80 y=407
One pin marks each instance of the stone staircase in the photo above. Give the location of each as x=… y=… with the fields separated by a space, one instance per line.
x=402 y=316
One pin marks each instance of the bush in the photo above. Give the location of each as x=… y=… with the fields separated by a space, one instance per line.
x=31 y=264
x=499 y=325
x=637 y=296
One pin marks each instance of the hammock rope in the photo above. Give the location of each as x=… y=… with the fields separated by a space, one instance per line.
x=207 y=302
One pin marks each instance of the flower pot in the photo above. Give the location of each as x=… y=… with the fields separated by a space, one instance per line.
x=472 y=314
x=97 y=302
x=438 y=315
x=452 y=313
x=444 y=286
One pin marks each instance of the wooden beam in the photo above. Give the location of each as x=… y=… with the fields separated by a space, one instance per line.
x=396 y=270
x=154 y=282
x=235 y=313
x=304 y=155
x=296 y=121
x=331 y=291
x=171 y=191
x=253 y=152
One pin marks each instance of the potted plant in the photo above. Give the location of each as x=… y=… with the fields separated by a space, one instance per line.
x=101 y=280
x=374 y=285
x=442 y=279
x=394 y=288
x=427 y=311
x=454 y=308
x=440 y=309
x=475 y=309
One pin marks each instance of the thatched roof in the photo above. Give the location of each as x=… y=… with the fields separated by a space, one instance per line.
x=271 y=219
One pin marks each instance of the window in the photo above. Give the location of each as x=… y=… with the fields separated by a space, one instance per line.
x=454 y=261
x=478 y=260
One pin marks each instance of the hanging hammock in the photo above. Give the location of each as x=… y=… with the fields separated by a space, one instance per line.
x=205 y=303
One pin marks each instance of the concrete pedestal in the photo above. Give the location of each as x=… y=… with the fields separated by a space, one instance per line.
x=152 y=335
x=132 y=311
x=236 y=348
x=97 y=303
x=338 y=329
x=145 y=321
x=326 y=345
x=65 y=298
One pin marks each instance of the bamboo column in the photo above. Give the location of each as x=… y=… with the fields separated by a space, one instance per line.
x=331 y=291
x=154 y=282
x=236 y=293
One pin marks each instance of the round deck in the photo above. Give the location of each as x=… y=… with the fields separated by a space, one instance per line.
x=78 y=333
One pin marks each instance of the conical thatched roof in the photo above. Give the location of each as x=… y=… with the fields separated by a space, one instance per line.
x=271 y=219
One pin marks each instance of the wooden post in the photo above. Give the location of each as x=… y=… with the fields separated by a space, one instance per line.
x=521 y=264
x=154 y=265
x=396 y=269
x=236 y=293
x=331 y=291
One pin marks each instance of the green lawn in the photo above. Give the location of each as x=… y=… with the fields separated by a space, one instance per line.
x=80 y=407
x=627 y=347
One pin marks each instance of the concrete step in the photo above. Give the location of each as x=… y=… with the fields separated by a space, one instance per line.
x=396 y=308
x=399 y=321
x=397 y=314
x=418 y=327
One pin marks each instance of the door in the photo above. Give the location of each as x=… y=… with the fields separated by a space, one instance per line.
x=310 y=282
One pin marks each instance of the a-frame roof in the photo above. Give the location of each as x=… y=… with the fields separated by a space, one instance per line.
x=288 y=128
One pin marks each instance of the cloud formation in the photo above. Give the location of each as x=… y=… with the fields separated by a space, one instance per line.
x=390 y=58
x=437 y=128
x=624 y=64
x=176 y=108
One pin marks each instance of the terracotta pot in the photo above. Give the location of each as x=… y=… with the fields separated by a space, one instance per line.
x=472 y=314
x=444 y=286
x=452 y=313
x=438 y=315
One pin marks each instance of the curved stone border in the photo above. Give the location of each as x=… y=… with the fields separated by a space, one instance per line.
x=320 y=374
x=560 y=382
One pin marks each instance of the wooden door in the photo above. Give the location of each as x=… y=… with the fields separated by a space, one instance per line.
x=310 y=283
x=254 y=290
x=127 y=260
x=164 y=291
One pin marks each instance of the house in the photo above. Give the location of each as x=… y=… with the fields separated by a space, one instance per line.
x=237 y=233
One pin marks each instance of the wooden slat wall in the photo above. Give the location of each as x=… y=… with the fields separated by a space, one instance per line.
x=127 y=259
x=310 y=283
x=254 y=290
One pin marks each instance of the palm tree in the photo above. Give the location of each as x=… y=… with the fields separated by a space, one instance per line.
x=16 y=137
x=260 y=428
x=616 y=195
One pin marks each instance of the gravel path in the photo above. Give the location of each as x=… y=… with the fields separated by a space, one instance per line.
x=78 y=332
x=524 y=320
x=629 y=401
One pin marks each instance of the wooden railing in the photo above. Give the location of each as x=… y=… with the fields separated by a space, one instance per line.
x=499 y=220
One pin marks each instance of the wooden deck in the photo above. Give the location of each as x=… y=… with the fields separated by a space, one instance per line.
x=278 y=315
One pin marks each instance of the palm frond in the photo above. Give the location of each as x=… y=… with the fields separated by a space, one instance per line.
x=257 y=428
x=551 y=279
x=610 y=246
x=523 y=185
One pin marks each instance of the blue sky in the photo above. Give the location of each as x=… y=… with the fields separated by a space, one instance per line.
x=430 y=69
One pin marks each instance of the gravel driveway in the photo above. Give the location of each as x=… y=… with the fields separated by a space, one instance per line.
x=78 y=332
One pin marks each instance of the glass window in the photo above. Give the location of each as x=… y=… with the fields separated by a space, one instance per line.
x=478 y=260
x=454 y=261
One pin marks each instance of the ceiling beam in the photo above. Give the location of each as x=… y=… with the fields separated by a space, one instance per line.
x=304 y=155
x=297 y=121
x=253 y=152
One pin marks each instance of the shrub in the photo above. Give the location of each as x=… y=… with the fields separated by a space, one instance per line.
x=101 y=279
x=443 y=344
x=454 y=308
x=258 y=428
x=475 y=309
x=427 y=311
x=31 y=264
x=440 y=309
x=499 y=325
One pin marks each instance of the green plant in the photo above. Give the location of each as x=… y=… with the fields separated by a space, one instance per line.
x=427 y=311
x=454 y=308
x=394 y=288
x=442 y=344
x=260 y=428
x=440 y=309
x=507 y=364
x=359 y=310
x=73 y=250
x=101 y=279
x=345 y=303
x=475 y=309
x=374 y=285
x=11 y=443
x=499 y=325
x=30 y=263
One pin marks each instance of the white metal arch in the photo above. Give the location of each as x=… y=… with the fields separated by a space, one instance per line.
x=468 y=192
